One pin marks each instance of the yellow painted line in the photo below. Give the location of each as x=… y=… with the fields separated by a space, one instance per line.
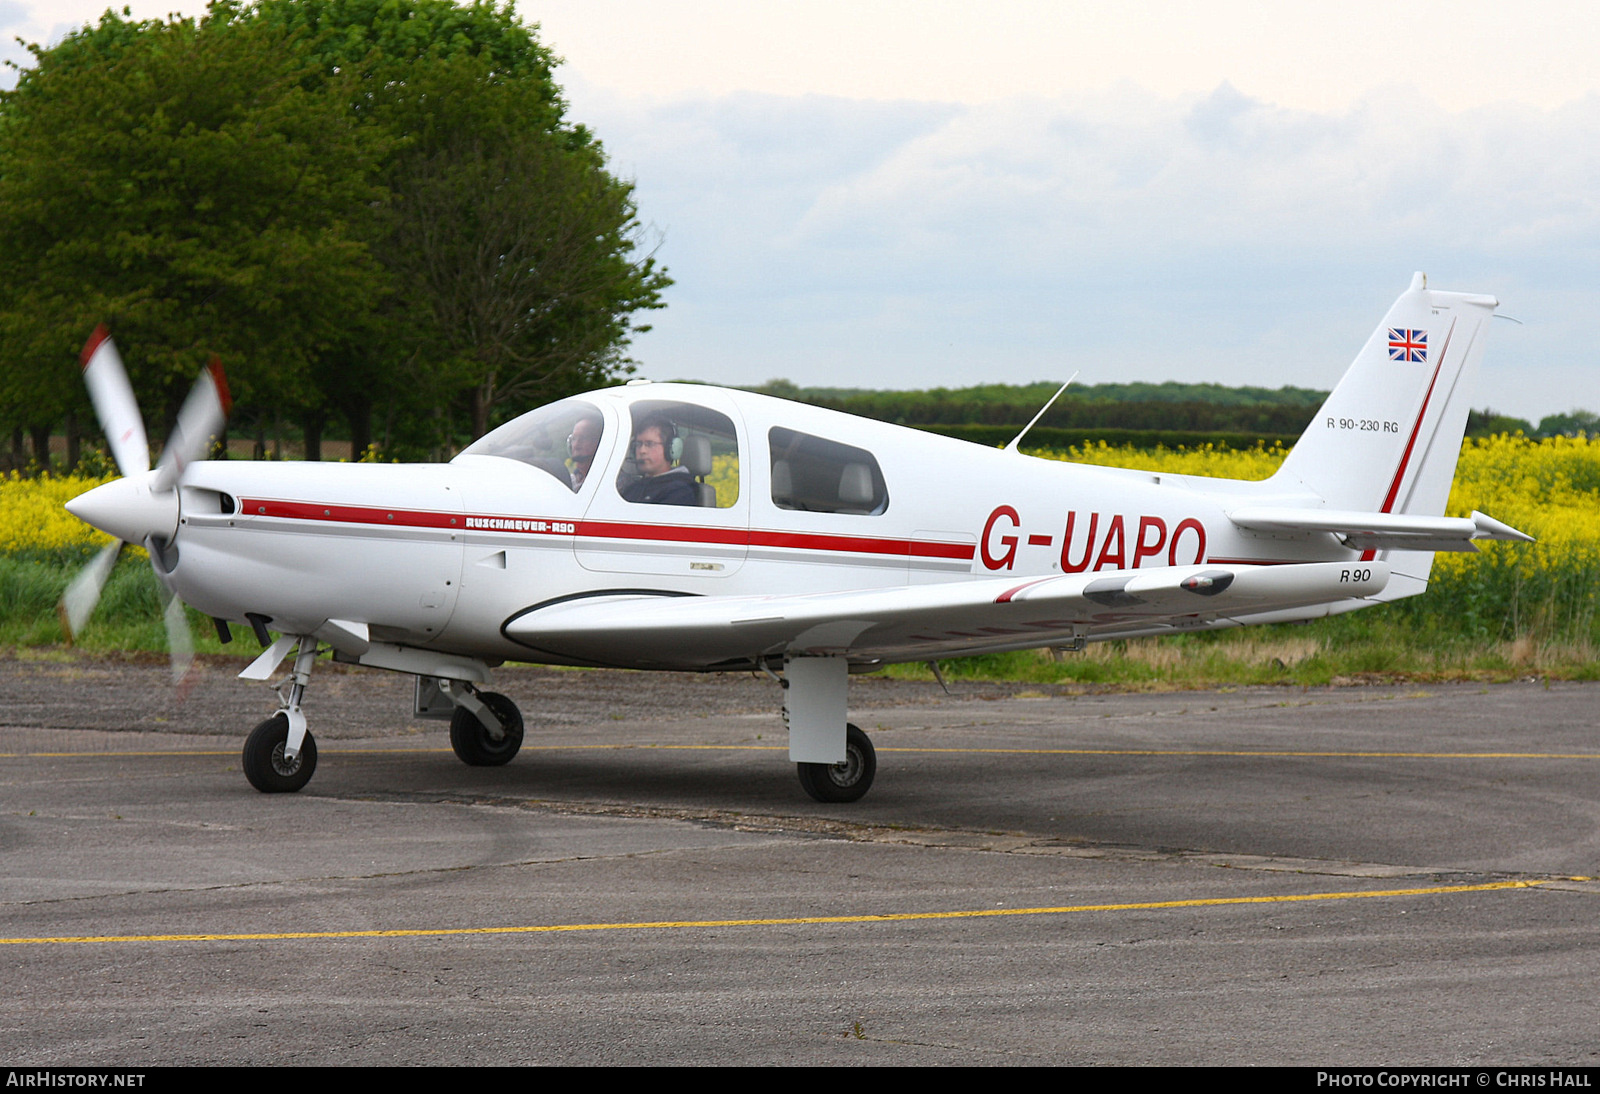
x=1268 y=753
x=1259 y=753
x=111 y=752
x=794 y=921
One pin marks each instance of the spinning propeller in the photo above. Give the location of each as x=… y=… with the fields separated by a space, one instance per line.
x=142 y=506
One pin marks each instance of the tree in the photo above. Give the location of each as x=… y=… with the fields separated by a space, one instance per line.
x=513 y=255
x=181 y=182
x=1570 y=424
x=513 y=250
x=357 y=203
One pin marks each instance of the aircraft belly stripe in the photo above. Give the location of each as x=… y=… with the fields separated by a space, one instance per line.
x=595 y=529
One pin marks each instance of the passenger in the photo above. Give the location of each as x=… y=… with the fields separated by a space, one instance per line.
x=655 y=446
x=582 y=443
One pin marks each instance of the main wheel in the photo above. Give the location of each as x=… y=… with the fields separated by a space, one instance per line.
x=471 y=740
x=847 y=781
x=264 y=763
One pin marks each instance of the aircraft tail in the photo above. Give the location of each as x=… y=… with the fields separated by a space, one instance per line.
x=1387 y=438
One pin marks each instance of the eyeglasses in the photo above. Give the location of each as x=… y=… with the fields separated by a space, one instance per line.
x=647 y=444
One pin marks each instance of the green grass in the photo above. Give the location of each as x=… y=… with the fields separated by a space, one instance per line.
x=128 y=618
x=1446 y=634
x=1374 y=645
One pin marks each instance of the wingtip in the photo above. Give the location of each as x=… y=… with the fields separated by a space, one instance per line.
x=100 y=335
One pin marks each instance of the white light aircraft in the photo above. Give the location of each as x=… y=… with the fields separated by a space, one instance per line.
x=690 y=528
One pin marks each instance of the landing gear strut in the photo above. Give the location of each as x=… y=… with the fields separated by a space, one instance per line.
x=847 y=781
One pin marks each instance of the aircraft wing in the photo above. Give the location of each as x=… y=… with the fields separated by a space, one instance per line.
x=1376 y=531
x=917 y=622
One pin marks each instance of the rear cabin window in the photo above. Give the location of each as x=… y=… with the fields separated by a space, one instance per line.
x=816 y=475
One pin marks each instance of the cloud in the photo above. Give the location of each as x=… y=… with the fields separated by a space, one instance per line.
x=1215 y=236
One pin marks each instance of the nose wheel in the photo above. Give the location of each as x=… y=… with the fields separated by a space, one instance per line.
x=265 y=764
x=847 y=781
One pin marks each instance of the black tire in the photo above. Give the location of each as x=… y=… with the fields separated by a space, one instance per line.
x=471 y=741
x=264 y=764
x=847 y=781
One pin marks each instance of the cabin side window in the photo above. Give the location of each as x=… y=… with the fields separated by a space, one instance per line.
x=680 y=454
x=816 y=475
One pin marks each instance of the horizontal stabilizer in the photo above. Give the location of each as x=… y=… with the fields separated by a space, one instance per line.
x=1376 y=531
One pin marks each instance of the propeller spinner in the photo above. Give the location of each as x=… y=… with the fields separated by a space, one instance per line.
x=142 y=506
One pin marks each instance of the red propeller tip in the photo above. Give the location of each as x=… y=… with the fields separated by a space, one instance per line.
x=100 y=335
x=221 y=380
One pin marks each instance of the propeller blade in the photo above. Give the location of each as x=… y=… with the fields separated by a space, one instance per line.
x=199 y=423
x=114 y=403
x=78 y=602
x=180 y=643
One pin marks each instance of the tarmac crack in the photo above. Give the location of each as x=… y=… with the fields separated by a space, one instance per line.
x=940 y=838
x=265 y=883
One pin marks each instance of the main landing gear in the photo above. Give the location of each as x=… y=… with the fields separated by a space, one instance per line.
x=834 y=759
x=847 y=781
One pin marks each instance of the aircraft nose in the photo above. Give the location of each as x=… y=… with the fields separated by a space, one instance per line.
x=128 y=509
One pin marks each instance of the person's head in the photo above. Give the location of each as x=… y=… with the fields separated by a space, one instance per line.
x=584 y=441
x=652 y=447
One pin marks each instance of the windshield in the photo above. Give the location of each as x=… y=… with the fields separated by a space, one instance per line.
x=560 y=439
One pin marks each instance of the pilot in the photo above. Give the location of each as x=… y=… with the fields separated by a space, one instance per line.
x=582 y=443
x=655 y=446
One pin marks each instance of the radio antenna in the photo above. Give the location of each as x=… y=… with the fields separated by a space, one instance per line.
x=1012 y=447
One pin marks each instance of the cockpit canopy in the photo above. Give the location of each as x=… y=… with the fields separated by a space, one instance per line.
x=560 y=439
x=685 y=453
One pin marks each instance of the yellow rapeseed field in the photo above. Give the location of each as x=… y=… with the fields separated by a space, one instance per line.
x=1548 y=488
x=32 y=517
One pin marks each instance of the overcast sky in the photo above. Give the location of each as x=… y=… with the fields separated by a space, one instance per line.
x=912 y=194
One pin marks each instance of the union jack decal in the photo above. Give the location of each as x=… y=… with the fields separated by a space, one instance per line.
x=1408 y=345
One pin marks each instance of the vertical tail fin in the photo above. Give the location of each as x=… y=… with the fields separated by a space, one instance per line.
x=1388 y=436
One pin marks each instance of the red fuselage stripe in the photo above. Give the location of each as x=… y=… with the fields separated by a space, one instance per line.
x=350 y=514
x=600 y=529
